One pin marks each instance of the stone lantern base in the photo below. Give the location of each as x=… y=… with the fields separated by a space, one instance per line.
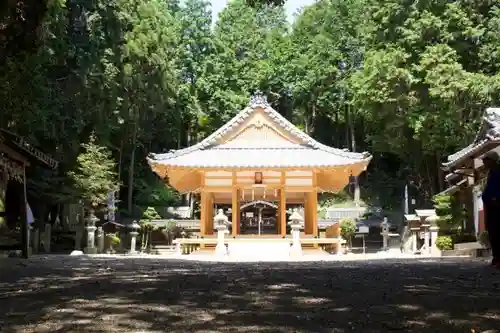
x=90 y=250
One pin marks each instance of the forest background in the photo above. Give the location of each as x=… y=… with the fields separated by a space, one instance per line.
x=407 y=81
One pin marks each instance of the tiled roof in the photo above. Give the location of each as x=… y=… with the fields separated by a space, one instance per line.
x=258 y=158
x=489 y=132
x=309 y=153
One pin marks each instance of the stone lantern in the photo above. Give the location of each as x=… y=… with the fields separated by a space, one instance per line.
x=385 y=233
x=295 y=223
x=91 y=228
x=134 y=227
x=221 y=222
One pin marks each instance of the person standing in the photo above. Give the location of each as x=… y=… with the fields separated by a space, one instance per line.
x=491 y=203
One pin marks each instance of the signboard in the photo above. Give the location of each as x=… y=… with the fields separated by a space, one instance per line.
x=363 y=229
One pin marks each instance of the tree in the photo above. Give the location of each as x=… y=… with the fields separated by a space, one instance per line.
x=95 y=175
x=147 y=228
x=348 y=229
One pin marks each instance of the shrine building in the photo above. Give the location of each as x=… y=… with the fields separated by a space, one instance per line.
x=466 y=174
x=258 y=156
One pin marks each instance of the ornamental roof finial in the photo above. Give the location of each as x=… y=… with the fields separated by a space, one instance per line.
x=258 y=98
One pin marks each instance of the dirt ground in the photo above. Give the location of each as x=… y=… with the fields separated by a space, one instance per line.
x=79 y=294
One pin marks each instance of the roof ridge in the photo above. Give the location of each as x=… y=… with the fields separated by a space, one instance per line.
x=259 y=101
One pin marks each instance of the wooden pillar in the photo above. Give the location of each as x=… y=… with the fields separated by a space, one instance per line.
x=314 y=212
x=282 y=212
x=25 y=229
x=203 y=212
x=278 y=215
x=235 y=212
x=210 y=215
x=307 y=214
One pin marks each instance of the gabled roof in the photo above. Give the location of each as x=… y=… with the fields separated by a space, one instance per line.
x=306 y=152
x=488 y=135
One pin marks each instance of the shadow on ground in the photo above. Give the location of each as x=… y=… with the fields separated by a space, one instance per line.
x=68 y=294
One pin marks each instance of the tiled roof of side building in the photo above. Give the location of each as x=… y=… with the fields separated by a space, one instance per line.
x=489 y=132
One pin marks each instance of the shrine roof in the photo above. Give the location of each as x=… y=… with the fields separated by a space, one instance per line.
x=301 y=152
x=488 y=135
x=21 y=146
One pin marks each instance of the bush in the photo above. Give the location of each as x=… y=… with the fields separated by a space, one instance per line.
x=458 y=238
x=347 y=229
x=444 y=243
x=112 y=240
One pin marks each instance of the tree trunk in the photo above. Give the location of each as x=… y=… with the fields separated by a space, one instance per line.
x=338 y=140
x=440 y=174
x=130 y=191
x=4 y=179
x=350 y=123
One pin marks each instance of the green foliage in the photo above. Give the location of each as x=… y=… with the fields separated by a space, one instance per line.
x=463 y=237
x=150 y=214
x=150 y=76
x=443 y=206
x=95 y=176
x=147 y=227
x=113 y=239
x=348 y=229
x=449 y=211
x=444 y=243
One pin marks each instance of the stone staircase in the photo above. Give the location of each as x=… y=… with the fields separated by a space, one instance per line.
x=164 y=249
x=259 y=250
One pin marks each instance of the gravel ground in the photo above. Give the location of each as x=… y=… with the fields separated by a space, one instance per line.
x=79 y=294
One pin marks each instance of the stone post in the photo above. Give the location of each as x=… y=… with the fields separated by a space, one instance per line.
x=47 y=236
x=30 y=239
x=91 y=228
x=133 y=237
x=414 y=234
x=426 y=249
x=434 y=230
x=36 y=239
x=100 y=240
x=296 y=223
x=221 y=222
x=385 y=234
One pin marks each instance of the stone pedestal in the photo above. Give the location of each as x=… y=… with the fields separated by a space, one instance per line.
x=426 y=249
x=220 y=249
x=296 y=248
x=133 y=241
x=414 y=234
x=385 y=234
x=36 y=240
x=47 y=237
x=30 y=240
x=221 y=222
x=91 y=228
x=295 y=223
x=435 y=252
x=135 y=227
x=100 y=240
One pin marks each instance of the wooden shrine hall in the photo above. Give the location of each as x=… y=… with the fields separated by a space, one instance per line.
x=258 y=155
